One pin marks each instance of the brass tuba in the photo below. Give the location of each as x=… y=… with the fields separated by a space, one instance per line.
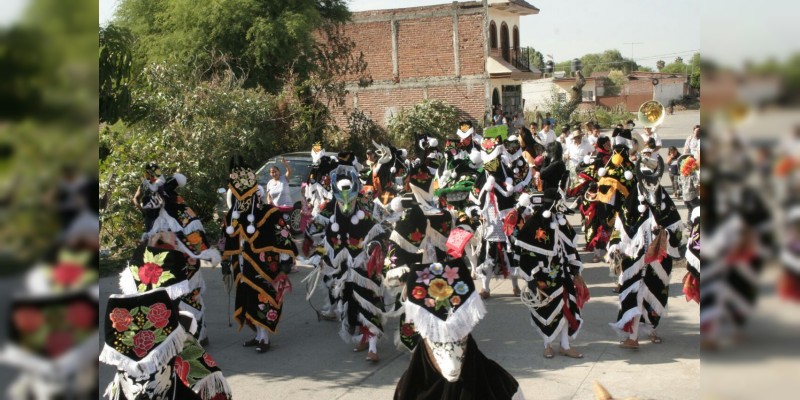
x=651 y=114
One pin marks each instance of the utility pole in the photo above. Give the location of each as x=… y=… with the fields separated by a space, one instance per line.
x=632 y=43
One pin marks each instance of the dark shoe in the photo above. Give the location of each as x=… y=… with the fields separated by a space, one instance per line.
x=262 y=347
x=250 y=343
x=204 y=342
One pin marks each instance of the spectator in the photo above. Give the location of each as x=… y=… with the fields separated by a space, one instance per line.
x=562 y=138
x=692 y=145
x=689 y=167
x=650 y=133
x=577 y=149
x=592 y=134
x=546 y=135
x=634 y=150
x=672 y=162
x=278 y=187
x=548 y=118
x=497 y=119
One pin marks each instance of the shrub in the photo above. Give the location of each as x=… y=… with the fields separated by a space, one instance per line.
x=432 y=117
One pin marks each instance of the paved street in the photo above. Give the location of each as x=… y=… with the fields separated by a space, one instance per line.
x=308 y=360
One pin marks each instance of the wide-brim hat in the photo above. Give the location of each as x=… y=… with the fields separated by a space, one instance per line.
x=37 y=324
x=151 y=268
x=142 y=332
x=442 y=301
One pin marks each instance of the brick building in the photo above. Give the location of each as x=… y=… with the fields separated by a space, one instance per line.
x=464 y=53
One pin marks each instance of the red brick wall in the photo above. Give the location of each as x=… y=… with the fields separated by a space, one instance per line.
x=374 y=39
x=470 y=44
x=426 y=61
x=425 y=47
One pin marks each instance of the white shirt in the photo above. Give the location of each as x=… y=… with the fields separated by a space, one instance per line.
x=576 y=152
x=592 y=139
x=692 y=145
x=646 y=137
x=546 y=137
x=279 y=191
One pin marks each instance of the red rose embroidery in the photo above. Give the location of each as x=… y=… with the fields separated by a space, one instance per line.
x=416 y=237
x=143 y=341
x=67 y=273
x=407 y=330
x=272 y=315
x=159 y=315
x=28 y=319
x=209 y=361
x=58 y=343
x=354 y=242
x=419 y=292
x=82 y=315
x=149 y=273
x=182 y=369
x=121 y=319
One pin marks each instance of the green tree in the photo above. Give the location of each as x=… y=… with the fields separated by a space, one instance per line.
x=535 y=58
x=660 y=64
x=692 y=69
x=614 y=82
x=432 y=117
x=192 y=126
x=115 y=73
x=599 y=62
x=263 y=39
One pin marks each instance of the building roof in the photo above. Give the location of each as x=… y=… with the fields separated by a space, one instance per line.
x=497 y=67
x=520 y=7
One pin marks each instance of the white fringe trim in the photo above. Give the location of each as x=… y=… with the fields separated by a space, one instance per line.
x=457 y=326
x=392 y=278
x=402 y=243
x=365 y=304
x=158 y=357
x=75 y=360
x=212 y=385
x=692 y=260
x=376 y=230
x=436 y=238
x=356 y=278
x=789 y=260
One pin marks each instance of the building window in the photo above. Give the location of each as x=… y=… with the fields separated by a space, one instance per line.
x=516 y=38
x=493 y=35
x=504 y=42
x=562 y=97
x=587 y=95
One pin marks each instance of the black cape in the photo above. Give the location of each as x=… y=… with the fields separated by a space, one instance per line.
x=481 y=379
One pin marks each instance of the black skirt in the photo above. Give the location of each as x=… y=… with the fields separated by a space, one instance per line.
x=481 y=379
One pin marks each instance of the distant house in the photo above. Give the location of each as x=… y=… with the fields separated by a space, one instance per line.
x=462 y=53
x=537 y=93
x=639 y=87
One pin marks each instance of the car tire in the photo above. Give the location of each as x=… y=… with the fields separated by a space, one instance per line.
x=295 y=216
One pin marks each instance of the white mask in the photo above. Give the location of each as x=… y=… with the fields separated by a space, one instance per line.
x=449 y=357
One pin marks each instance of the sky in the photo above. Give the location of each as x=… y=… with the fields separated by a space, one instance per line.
x=731 y=29
x=11 y=10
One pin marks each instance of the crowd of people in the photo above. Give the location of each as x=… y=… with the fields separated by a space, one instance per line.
x=406 y=246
